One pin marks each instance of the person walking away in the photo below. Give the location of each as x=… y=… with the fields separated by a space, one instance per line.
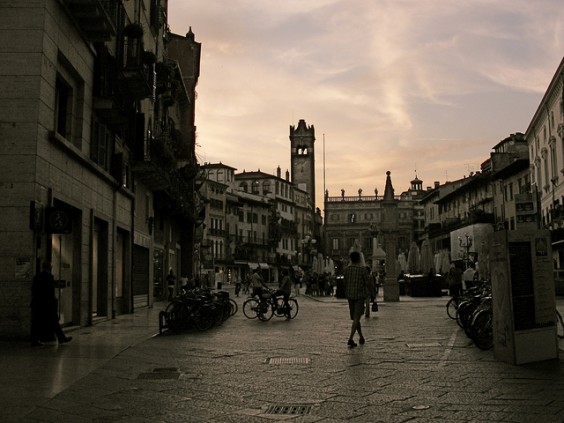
x=357 y=288
x=284 y=289
x=170 y=283
x=44 y=313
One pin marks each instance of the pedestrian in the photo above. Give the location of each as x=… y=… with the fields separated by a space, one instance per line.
x=44 y=309
x=454 y=278
x=237 y=284
x=171 y=283
x=247 y=283
x=371 y=298
x=297 y=283
x=357 y=288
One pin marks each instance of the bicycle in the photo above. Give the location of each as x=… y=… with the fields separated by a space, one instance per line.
x=266 y=306
x=480 y=327
x=197 y=308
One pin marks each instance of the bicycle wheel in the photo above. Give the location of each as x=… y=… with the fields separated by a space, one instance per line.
x=559 y=325
x=480 y=329
x=234 y=306
x=265 y=310
x=279 y=310
x=205 y=317
x=464 y=312
x=251 y=308
x=451 y=308
x=293 y=303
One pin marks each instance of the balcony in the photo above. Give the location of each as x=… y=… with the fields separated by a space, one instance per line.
x=153 y=168
x=137 y=72
x=97 y=19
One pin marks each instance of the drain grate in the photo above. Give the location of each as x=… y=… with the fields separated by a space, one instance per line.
x=289 y=410
x=289 y=360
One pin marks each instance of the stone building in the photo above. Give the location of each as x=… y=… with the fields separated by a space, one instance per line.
x=355 y=221
x=545 y=140
x=96 y=155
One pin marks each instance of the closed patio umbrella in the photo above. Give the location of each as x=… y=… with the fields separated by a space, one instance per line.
x=402 y=261
x=427 y=263
x=413 y=259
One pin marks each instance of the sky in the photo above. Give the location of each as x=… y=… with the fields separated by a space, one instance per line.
x=420 y=88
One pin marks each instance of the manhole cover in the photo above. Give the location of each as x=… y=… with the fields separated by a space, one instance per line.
x=289 y=360
x=289 y=410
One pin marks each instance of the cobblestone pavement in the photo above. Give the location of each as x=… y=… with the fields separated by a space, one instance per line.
x=416 y=366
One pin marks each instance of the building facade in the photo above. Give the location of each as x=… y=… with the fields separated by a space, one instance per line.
x=85 y=114
x=356 y=221
x=545 y=140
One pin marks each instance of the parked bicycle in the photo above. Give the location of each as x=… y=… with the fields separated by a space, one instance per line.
x=198 y=308
x=473 y=313
x=266 y=306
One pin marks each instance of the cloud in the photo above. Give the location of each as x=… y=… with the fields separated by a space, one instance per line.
x=394 y=84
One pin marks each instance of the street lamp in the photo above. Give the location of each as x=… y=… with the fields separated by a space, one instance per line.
x=466 y=244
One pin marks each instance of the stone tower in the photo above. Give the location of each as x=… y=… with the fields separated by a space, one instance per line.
x=302 y=140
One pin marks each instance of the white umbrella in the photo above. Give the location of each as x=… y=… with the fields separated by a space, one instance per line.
x=445 y=262
x=329 y=266
x=320 y=263
x=402 y=261
x=427 y=264
x=413 y=259
x=437 y=262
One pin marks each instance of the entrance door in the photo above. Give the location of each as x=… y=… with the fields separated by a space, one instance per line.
x=140 y=276
x=99 y=289
x=62 y=259
x=120 y=306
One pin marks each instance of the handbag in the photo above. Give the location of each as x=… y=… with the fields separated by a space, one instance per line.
x=374 y=306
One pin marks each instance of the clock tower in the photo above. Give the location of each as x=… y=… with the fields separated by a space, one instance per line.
x=302 y=140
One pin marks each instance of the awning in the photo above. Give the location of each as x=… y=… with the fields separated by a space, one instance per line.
x=264 y=266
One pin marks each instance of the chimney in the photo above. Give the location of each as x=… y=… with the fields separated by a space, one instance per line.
x=287 y=175
x=278 y=172
x=437 y=184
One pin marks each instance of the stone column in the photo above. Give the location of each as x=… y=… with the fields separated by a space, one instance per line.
x=391 y=286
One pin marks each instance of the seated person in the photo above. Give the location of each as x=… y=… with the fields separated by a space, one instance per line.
x=284 y=289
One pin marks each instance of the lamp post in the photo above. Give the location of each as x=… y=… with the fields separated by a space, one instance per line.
x=465 y=244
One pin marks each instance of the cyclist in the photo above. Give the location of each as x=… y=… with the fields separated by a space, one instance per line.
x=258 y=284
x=284 y=289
